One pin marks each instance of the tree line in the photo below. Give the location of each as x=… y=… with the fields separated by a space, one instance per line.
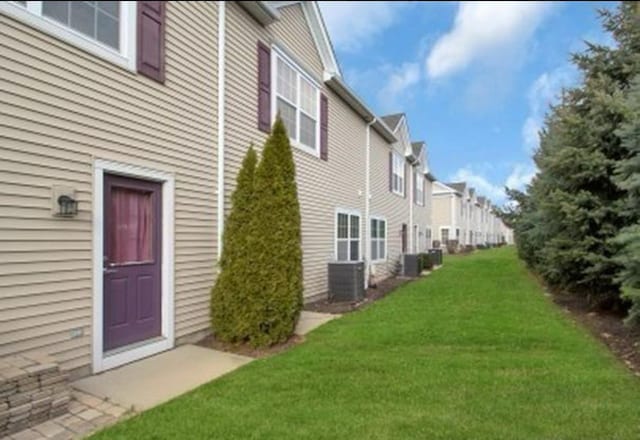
x=578 y=222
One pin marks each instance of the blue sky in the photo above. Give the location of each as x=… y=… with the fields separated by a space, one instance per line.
x=474 y=79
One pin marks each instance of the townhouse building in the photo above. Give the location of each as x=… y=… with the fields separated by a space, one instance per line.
x=447 y=213
x=124 y=125
x=457 y=207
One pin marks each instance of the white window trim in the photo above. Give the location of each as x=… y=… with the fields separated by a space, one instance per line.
x=279 y=53
x=386 y=241
x=348 y=212
x=440 y=236
x=126 y=57
x=100 y=361
x=400 y=158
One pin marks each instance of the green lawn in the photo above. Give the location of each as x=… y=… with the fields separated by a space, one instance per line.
x=473 y=351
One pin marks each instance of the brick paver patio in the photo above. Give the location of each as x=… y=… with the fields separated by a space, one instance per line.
x=87 y=414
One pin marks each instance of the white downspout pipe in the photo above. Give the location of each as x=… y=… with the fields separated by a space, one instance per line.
x=410 y=198
x=221 y=95
x=367 y=203
x=412 y=245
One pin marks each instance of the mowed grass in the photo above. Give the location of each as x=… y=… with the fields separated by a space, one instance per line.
x=473 y=351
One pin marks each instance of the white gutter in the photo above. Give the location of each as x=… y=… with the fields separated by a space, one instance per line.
x=221 y=94
x=367 y=203
x=263 y=12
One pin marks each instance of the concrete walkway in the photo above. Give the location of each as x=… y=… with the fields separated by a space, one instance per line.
x=154 y=380
x=103 y=399
x=312 y=320
x=151 y=381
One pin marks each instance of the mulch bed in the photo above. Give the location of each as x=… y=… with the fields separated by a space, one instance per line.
x=247 y=349
x=607 y=326
x=372 y=294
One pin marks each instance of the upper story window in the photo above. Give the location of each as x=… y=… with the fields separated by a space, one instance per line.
x=398 y=174
x=419 y=190
x=99 y=21
x=297 y=99
x=104 y=28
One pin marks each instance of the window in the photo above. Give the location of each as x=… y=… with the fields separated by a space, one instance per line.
x=99 y=21
x=427 y=235
x=347 y=237
x=444 y=233
x=378 y=239
x=99 y=27
x=297 y=99
x=398 y=174
x=419 y=189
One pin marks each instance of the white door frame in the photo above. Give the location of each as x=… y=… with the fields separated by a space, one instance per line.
x=100 y=362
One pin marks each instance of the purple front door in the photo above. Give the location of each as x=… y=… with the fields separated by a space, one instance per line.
x=132 y=266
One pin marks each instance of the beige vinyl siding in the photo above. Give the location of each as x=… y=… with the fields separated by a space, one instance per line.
x=386 y=204
x=441 y=214
x=323 y=186
x=62 y=108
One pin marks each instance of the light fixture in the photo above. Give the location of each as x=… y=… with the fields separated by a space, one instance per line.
x=67 y=206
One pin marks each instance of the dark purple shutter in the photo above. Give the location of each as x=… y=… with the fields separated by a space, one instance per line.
x=151 y=24
x=264 y=87
x=324 y=128
x=390 y=171
x=405 y=180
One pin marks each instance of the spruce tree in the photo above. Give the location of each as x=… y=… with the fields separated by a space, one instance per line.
x=574 y=206
x=629 y=180
x=229 y=301
x=275 y=281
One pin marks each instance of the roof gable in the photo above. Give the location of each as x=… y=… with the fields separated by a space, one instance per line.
x=318 y=31
x=393 y=120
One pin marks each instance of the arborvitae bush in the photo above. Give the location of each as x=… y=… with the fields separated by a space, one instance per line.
x=230 y=303
x=274 y=283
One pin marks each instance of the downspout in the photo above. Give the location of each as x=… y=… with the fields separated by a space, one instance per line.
x=452 y=231
x=367 y=203
x=410 y=198
x=221 y=94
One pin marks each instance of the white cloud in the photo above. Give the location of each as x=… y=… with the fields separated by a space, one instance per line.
x=400 y=80
x=544 y=91
x=484 y=30
x=476 y=177
x=520 y=176
x=352 y=25
x=480 y=183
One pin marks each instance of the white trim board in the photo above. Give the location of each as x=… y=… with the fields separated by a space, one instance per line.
x=100 y=362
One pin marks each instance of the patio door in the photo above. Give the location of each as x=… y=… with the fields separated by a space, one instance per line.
x=132 y=263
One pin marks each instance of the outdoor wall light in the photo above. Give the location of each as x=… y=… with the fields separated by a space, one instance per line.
x=64 y=202
x=67 y=206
